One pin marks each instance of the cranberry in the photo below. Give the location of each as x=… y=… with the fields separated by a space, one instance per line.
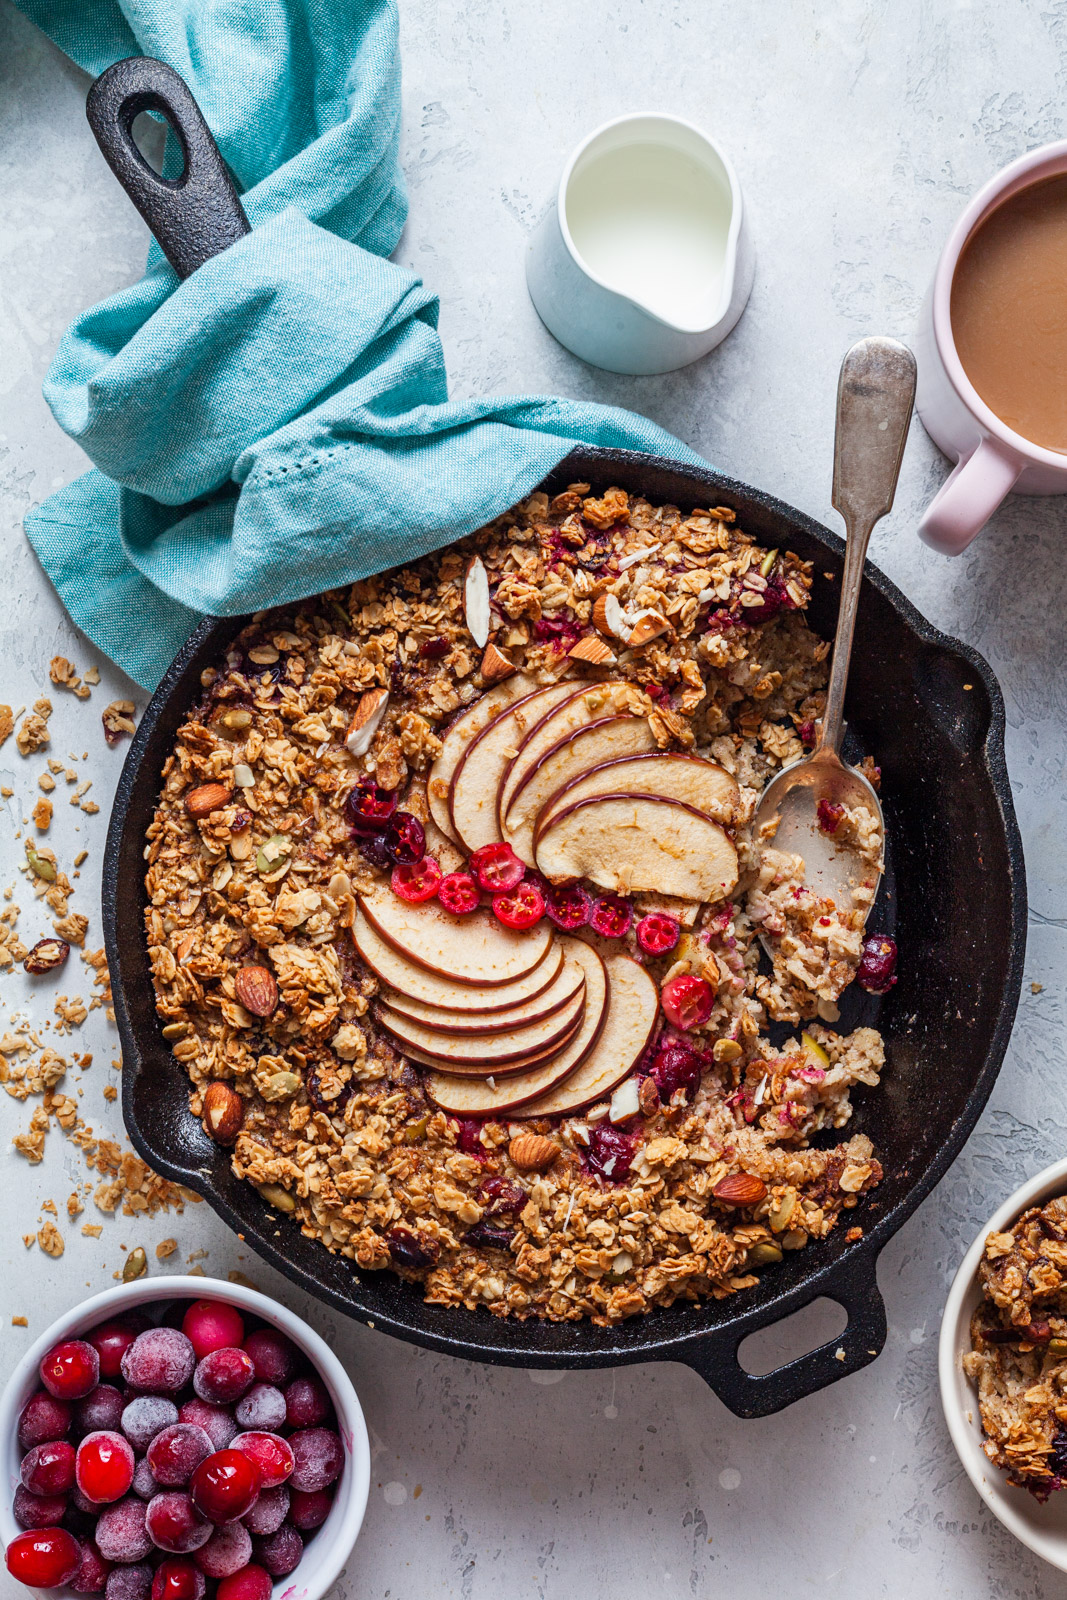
x=877 y=971
x=503 y=1195
x=418 y=882
x=223 y=1376
x=274 y=1357
x=146 y=1416
x=104 y=1466
x=128 y=1583
x=675 y=1067
x=92 y=1572
x=775 y=598
x=458 y=893
x=225 y=1486
x=38 y=1510
x=144 y=1483
x=307 y=1403
x=178 y=1580
x=262 y=1408
x=830 y=816
x=43 y=1557
x=521 y=907
x=109 y=1341
x=404 y=840
x=406 y=1249
x=496 y=867
x=369 y=808
x=270 y=1454
x=308 y=1510
x=43 y=1418
x=269 y=1511
x=226 y=1552
x=212 y=1325
x=657 y=934
x=83 y=1505
x=561 y=631
x=159 y=1361
x=611 y=916
x=371 y=847
x=434 y=649
x=48 y=1468
x=318 y=1455
x=174 y=1524
x=806 y=732
x=101 y=1408
x=216 y=1421
x=122 y=1532
x=174 y=1454
x=687 y=1001
x=610 y=1151
x=70 y=1369
x=568 y=907
x=251 y=1583
x=280 y=1552
x=484 y=1236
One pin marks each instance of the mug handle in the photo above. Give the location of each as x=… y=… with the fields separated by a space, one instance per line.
x=968 y=497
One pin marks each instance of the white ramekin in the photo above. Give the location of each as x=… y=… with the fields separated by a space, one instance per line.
x=329 y=1549
x=1042 y=1529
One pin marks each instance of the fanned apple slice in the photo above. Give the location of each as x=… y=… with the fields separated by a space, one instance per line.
x=589 y=703
x=479 y=1072
x=479 y=770
x=467 y=725
x=631 y=1018
x=432 y=988
x=488 y=1051
x=469 y=1097
x=551 y=1000
x=472 y=949
x=630 y=843
x=598 y=741
x=669 y=774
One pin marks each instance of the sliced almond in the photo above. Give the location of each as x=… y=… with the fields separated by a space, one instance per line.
x=496 y=665
x=609 y=618
x=593 y=650
x=647 y=626
x=367 y=720
x=476 y=602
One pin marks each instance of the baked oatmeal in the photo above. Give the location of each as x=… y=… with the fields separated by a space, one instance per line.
x=454 y=913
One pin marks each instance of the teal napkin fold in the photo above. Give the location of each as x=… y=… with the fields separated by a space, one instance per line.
x=279 y=422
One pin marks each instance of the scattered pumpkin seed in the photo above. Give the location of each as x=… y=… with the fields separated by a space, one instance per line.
x=766 y=566
x=778 y=1217
x=761 y=1255
x=236 y=720
x=281 y=1086
x=1057 y=1347
x=271 y=855
x=135 y=1265
x=275 y=1195
x=175 y=1030
x=40 y=865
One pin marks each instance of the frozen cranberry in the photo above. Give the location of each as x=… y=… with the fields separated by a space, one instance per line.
x=102 y=1407
x=70 y=1369
x=175 y=1453
x=274 y=1357
x=226 y=1552
x=610 y=1152
x=269 y=1511
x=271 y=1454
x=877 y=971
x=687 y=1001
x=38 y=1510
x=104 y=1466
x=128 y=1583
x=83 y=1505
x=223 y=1376
x=434 y=649
x=45 y=1558
x=657 y=934
x=174 y=1524
x=144 y=1483
x=48 y=1468
x=279 y=1552
x=251 y=1583
x=216 y=1421
x=568 y=907
x=178 y=1580
x=92 y=1572
x=308 y=1510
x=371 y=847
x=43 y=1418
x=458 y=893
x=611 y=916
x=496 y=867
x=318 y=1455
x=262 y=1408
x=212 y=1325
x=418 y=881
x=405 y=840
x=159 y=1361
x=225 y=1486
x=675 y=1067
x=370 y=808
x=146 y=1416
x=521 y=907
x=109 y=1341
x=307 y=1403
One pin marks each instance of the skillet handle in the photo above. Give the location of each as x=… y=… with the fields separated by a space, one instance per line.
x=194 y=216
x=714 y=1356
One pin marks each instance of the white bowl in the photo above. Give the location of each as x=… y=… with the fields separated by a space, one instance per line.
x=328 y=1550
x=1042 y=1529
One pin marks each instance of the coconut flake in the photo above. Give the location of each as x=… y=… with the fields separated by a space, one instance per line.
x=638 y=555
x=476 y=602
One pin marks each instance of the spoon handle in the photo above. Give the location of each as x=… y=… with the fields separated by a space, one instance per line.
x=875 y=394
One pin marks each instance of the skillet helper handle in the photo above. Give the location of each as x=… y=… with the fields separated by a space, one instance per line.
x=195 y=216
x=747 y=1394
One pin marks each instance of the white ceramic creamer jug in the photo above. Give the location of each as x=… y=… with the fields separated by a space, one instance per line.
x=644 y=263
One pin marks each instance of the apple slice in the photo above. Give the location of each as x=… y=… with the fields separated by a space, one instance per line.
x=471 y=1097
x=631 y=1018
x=670 y=774
x=466 y=726
x=551 y=1000
x=591 y=702
x=485 y=1052
x=472 y=949
x=479 y=770
x=598 y=741
x=395 y=970
x=631 y=843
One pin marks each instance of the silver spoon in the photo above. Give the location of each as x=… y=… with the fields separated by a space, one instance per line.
x=875 y=394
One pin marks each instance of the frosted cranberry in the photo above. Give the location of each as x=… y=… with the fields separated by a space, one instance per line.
x=318 y=1455
x=146 y=1416
x=262 y=1408
x=223 y=1376
x=159 y=1361
x=83 y=1505
x=92 y=1572
x=458 y=893
x=417 y=881
x=102 y=1407
x=175 y=1454
x=212 y=1325
x=48 y=1468
x=309 y=1509
x=272 y=1456
x=404 y=840
x=279 y=1552
x=226 y=1552
x=110 y=1341
x=44 y=1557
x=269 y=1511
x=307 y=1403
x=657 y=934
x=216 y=1421
x=611 y=916
x=251 y=1583
x=174 y=1524
x=43 y=1418
x=274 y=1357
x=178 y=1580
x=370 y=808
x=569 y=907
x=829 y=815
x=676 y=1067
x=70 y=1369
x=521 y=907
x=38 y=1510
x=610 y=1151
x=104 y=1466
x=225 y=1486
x=878 y=964
x=128 y=1583
x=144 y=1482
x=496 y=867
x=687 y=1001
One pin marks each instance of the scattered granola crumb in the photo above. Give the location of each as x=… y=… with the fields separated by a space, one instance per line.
x=4 y=790
x=1036 y=988
x=92 y=1230
x=63 y=673
x=80 y=857
x=73 y=927
x=42 y=815
x=7 y=725
x=33 y=731
x=74 y=1206
x=50 y=1240
x=117 y=719
x=91 y=676
x=111 y=1093
x=19 y=1322
x=165 y=1248
x=50 y=1207
x=46 y=782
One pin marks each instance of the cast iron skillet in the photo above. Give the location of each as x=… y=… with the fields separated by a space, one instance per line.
x=955 y=898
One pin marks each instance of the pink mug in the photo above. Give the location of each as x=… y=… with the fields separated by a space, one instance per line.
x=991 y=459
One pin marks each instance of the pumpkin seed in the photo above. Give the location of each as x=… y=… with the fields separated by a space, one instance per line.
x=175 y=1030
x=766 y=566
x=135 y=1266
x=762 y=1255
x=281 y=1086
x=275 y=1195
x=40 y=865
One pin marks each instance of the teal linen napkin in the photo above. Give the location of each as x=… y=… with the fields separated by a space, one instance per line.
x=279 y=422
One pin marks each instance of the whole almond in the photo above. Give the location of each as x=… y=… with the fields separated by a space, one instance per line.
x=206 y=798
x=495 y=664
x=223 y=1112
x=256 y=989
x=740 y=1189
x=532 y=1152
x=608 y=618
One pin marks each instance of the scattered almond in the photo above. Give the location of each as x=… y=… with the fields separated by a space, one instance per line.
x=649 y=625
x=740 y=1189
x=496 y=665
x=223 y=1113
x=257 y=991
x=366 y=722
x=532 y=1152
x=476 y=602
x=206 y=798
x=593 y=650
